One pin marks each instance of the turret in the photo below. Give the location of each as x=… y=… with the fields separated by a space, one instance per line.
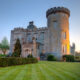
x=31 y=26
x=58 y=24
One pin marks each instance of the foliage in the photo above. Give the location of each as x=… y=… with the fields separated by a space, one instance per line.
x=14 y=54
x=77 y=58
x=51 y=58
x=16 y=61
x=68 y=58
x=4 y=45
x=30 y=56
x=17 y=49
x=2 y=55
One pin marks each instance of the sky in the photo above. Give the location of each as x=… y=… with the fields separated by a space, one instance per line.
x=18 y=13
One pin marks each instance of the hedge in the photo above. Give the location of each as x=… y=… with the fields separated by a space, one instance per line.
x=30 y=56
x=51 y=58
x=16 y=61
x=2 y=55
x=68 y=58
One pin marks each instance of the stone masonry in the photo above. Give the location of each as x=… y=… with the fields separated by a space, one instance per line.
x=53 y=39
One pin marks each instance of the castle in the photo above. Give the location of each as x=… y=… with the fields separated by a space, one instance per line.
x=53 y=39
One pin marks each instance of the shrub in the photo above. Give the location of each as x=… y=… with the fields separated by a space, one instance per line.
x=3 y=55
x=68 y=58
x=14 y=54
x=30 y=56
x=51 y=58
x=77 y=58
x=16 y=61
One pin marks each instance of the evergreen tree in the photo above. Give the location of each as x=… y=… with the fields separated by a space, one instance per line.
x=17 y=49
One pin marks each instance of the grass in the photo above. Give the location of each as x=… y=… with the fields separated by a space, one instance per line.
x=43 y=70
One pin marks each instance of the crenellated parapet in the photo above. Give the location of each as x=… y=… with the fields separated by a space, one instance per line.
x=37 y=29
x=42 y=28
x=19 y=29
x=56 y=10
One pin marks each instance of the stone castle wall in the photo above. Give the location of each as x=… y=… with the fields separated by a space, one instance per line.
x=41 y=35
x=54 y=38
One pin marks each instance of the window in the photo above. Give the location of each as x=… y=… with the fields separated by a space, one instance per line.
x=55 y=24
x=64 y=49
x=42 y=35
x=29 y=37
x=38 y=46
x=64 y=35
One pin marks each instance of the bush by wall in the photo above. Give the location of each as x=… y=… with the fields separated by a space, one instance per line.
x=77 y=58
x=68 y=58
x=14 y=54
x=16 y=61
x=51 y=58
x=30 y=56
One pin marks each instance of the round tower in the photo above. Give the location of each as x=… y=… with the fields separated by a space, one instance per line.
x=58 y=25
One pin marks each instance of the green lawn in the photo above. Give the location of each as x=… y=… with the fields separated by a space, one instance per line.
x=42 y=71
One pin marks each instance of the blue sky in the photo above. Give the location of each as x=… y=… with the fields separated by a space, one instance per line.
x=17 y=13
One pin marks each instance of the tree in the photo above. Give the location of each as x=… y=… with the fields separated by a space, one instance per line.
x=51 y=58
x=17 y=49
x=4 y=45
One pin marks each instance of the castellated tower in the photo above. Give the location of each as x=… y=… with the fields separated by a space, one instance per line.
x=58 y=25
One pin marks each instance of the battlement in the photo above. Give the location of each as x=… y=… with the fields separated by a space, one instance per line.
x=57 y=9
x=42 y=28
x=38 y=29
x=19 y=28
x=22 y=29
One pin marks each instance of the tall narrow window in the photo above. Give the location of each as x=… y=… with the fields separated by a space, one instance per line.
x=42 y=36
x=29 y=37
x=64 y=49
x=64 y=35
x=55 y=24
